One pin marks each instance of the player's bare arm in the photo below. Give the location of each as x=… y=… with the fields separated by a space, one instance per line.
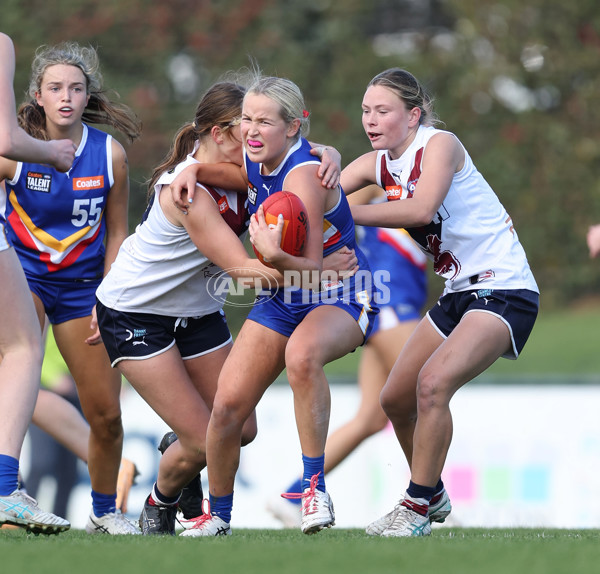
x=443 y=157
x=224 y=175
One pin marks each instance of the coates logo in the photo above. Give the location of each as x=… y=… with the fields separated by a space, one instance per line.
x=393 y=192
x=241 y=292
x=94 y=182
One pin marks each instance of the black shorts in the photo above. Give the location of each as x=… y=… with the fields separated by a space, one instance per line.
x=517 y=308
x=138 y=336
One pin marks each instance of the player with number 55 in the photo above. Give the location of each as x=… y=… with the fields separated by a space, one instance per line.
x=66 y=229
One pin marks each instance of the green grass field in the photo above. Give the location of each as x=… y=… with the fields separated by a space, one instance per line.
x=563 y=347
x=448 y=551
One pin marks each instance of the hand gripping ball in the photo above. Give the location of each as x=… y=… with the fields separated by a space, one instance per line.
x=295 y=217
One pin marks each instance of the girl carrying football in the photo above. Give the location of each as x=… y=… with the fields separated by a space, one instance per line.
x=300 y=329
x=66 y=229
x=162 y=289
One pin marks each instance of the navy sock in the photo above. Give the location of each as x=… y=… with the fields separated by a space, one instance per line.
x=417 y=498
x=295 y=487
x=419 y=491
x=9 y=474
x=312 y=467
x=103 y=503
x=160 y=499
x=221 y=506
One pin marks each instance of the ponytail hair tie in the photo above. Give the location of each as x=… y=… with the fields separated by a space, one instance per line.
x=305 y=113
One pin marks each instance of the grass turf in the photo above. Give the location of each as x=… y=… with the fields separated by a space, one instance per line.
x=448 y=551
x=562 y=345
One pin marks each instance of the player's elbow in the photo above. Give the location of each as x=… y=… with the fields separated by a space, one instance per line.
x=424 y=215
x=6 y=142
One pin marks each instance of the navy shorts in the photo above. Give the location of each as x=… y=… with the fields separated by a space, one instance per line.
x=65 y=300
x=517 y=308
x=138 y=336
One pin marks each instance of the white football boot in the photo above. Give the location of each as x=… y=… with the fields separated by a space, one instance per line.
x=20 y=509
x=317 y=508
x=407 y=523
x=208 y=525
x=112 y=523
x=438 y=512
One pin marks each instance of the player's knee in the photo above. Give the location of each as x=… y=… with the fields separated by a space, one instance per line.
x=227 y=413
x=302 y=366
x=194 y=451
x=22 y=352
x=431 y=392
x=398 y=407
x=107 y=425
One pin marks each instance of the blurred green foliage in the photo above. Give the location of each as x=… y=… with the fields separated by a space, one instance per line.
x=518 y=82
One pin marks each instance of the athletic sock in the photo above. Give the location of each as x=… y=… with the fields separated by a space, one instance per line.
x=417 y=498
x=157 y=498
x=221 y=506
x=295 y=487
x=9 y=474
x=314 y=466
x=103 y=503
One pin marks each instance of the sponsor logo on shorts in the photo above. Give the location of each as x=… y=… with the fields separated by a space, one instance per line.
x=484 y=294
x=137 y=337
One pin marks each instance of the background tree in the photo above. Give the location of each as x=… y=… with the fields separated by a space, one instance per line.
x=517 y=82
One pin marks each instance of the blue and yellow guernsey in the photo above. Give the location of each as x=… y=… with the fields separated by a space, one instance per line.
x=283 y=309
x=338 y=225
x=54 y=220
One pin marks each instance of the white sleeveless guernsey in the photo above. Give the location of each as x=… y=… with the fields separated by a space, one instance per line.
x=159 y=270
x=471 y=240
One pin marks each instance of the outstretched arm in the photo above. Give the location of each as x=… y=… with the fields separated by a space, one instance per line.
x=443 y=157
x=360 y=173
x=233 y=177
